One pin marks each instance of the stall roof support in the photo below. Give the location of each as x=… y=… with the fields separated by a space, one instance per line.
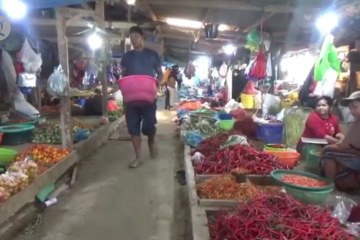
x=65 y=107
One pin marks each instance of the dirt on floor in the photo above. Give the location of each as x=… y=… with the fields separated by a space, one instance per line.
x=111 y=201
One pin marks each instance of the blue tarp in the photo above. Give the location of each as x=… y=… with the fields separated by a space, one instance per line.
x=53 y=3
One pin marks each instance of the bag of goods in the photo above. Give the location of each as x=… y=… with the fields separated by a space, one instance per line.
x=9 y=183
x=28 y=167
x=21 y=179
x=4 y=194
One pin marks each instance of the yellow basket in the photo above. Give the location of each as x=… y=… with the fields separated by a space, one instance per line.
x=247 y=100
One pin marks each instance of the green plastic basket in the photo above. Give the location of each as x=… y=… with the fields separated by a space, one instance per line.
x=7 y=156
x=311 y=197
x=30 y=122
x=226 y=124
x=312 y=159
x=277 y=174
x=16 y=128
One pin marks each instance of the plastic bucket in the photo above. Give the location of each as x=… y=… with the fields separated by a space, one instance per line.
x=225 y=116
x=138 y=88
x=226 y=124
x=81 y=101
x=271 y=132
x=288 y=158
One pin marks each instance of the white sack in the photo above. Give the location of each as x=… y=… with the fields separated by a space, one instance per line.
x=31 y=61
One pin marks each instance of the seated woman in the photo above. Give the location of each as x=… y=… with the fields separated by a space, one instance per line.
x=321 y=124
x=93 y=105
x=341 y=161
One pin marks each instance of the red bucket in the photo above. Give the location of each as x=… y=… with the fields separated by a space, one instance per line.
x=138 y=88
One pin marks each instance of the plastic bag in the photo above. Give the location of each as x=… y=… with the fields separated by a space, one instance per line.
x=258 y=68
x=26 y=166
x=118 y=96
x=231 y=105
x=4 y=194
x=197 y=158
x=193 y=139
x=31 y=61
x=22 y=180
x=235 y=140
x=58 y=83
x=9 y=183
x=327 y=86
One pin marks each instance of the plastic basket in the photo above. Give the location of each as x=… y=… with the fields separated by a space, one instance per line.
x=16 y=134
x=9 y=122
x=312 y=159
x=7 y=156
x=226 y=124
x=138 y=88
x=278 y=174
x=225 y=116
x=271 y=132
x=310 y=197
x=288 y=158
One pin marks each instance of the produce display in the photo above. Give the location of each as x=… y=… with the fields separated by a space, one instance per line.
x=28 y=167
x=225 y=187
x=50 y=134
x=113 y=115
x=4 y=194
x=276 y=217
x=239 y=156
x=212 y=144
x=13 y=182
x=19 y=120
x=303 y=181
x=44 y=154
x=190 y=105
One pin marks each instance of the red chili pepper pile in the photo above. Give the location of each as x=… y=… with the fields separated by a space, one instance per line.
x=239 y=156
x=212 y=144
x=303 y=181
x=276 y=217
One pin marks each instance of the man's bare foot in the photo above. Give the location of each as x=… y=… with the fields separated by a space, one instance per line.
x=136 y=163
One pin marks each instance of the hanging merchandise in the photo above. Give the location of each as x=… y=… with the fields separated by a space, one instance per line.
x=189 y=70
x=327 y=86
x=257 y=69
x=327 y=59
x=57 y=83
x=27 y=80
x=250 y=88
x=223 y=70
x=30 y=60
x=253 y=40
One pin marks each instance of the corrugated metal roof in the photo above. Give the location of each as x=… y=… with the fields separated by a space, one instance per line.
x=53 y=3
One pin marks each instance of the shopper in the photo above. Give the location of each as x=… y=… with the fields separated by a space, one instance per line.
x=141 y=61
x=340 y=162
x=93 y=105
x=322 y=124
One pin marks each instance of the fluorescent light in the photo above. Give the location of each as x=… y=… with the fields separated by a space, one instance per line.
x=14 y=8
x=229 y=49
x=131 y=2
x=184 y=23
x=95 y=41
x=327 y=22
x=223 y=27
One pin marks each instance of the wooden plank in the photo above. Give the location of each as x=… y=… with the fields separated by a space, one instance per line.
x=10 y=207
x=99 y=137
x=218 y=203
x=198 y=216
x=65 y=103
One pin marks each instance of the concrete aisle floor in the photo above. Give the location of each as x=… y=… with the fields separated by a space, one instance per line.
x=112 y=202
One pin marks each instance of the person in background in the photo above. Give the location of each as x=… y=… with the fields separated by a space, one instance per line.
x=166 y=90
x=93 y=105
x=178 y=77
x=340 y=162
x=321 y=124
x=141 y=118
x=171 y=87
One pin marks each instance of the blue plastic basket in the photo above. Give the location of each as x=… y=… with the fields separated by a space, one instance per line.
x=271 y=132
x=225 y=116
x=81 y=101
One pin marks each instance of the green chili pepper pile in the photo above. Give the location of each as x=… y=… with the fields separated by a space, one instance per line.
x=279 y=217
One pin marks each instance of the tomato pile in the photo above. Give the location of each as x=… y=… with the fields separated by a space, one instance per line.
x=45 y=154
x=303 y=181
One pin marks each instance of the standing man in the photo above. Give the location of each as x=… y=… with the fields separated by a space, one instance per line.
x=141 y=118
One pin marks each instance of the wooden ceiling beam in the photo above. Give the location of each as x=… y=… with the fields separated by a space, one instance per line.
x=234 y=5
x=259 y=22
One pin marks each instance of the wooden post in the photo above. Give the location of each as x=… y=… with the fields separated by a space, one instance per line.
x=100 y=10
x=65 y=106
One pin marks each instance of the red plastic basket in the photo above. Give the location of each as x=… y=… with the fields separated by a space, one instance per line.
x=138 y=88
